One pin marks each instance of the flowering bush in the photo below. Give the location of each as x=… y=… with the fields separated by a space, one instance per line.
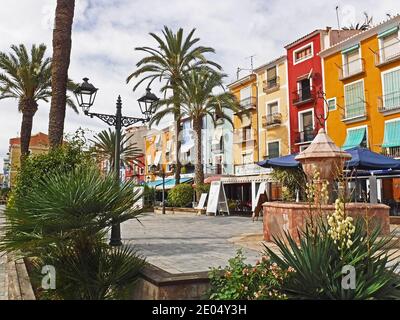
x=241 y=281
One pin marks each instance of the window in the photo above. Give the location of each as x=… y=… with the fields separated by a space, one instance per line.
x=354 y=100
x=306 y=126
x=391 y=90
x=271 y=77
x=304 y=89
x=390 y=45
x=273 y=149
x=272 y=108
x=247 y=158
x=303 y=53
x=352 y=64
x=247 y=133
x=356 y=137
x=245 y=93
x=331 y=104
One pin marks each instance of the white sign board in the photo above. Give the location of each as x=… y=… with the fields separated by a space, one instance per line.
x=138 y=194
x=217 y=199
x=202 y=201
x=261 y=190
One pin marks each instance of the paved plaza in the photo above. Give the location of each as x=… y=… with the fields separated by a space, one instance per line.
x=188 y=243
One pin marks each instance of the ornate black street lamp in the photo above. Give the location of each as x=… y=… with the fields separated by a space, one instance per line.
x=85 y=94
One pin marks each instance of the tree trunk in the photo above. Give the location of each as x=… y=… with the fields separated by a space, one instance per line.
x=198 y=166
x=28 y=108
x=59 y=73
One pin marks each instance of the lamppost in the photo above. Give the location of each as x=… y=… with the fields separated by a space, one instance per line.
x=159 y=171
x=85 y=94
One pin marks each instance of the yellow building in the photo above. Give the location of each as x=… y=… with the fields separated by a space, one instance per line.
x=362 y=86
x=39 y=144
x=273 y=109
x=245 y=135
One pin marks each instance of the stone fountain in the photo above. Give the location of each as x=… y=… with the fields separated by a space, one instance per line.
x=328 y=160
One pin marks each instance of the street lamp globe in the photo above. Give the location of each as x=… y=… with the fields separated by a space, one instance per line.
x=85 y=94
x=147 y=102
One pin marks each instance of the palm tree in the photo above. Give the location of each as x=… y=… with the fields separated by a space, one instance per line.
x=59 y=74
x=174 y=57
x=198 y=100
x=361 y=26
x=104 y=148
x=26 y=78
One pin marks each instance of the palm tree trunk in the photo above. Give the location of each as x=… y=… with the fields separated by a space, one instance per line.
x=28 y=109
x=59 y=74
x=198 y=166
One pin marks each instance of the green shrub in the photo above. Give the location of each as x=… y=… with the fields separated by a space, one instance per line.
x=63 y=221
x=202 y=188
x=180 y=196
x=241 y=281
x=291 y=181
x=317 y=262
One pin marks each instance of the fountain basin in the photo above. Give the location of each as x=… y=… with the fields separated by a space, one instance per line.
x=280 y=217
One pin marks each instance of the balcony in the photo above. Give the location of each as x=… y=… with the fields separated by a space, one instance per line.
x=355 y=112
x=352 y=69
x=393 y=152
x=271 y=85
x=248 y=103
x=389 y=103
x=271 y=120
x=244 y=135
x=387 y=54
x=302 y=96
x=305 y=136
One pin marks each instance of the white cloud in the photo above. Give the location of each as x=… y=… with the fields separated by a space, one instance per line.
x=106 y=32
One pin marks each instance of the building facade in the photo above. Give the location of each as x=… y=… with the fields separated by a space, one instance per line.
x=305 y=80
x=135 y=171
x=362 y=86
x=39 y=144
x=273 y=108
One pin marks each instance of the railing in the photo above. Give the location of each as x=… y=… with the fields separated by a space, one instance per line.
x=272 y=119
x=218 y=146
x=250 y=102
x=271 y=84
x=303 y=95
x=355 y=110
x=307 y=135
x=244 y=135
x=351 y=69
x=388 y=53
x=389 y=102
x=393 y=152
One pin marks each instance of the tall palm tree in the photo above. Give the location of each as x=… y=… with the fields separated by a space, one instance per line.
x=26 y=78
x=104 y=148
x=198 y=100
x=367 y=24
x=174 y=57
x=61 y=59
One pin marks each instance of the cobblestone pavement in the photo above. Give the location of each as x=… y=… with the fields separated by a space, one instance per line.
x=3 y=259
x=188 y=243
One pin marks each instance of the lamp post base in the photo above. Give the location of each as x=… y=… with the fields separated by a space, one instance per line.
x=115 y=239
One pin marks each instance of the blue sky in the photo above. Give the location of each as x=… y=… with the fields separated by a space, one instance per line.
x=106 y=32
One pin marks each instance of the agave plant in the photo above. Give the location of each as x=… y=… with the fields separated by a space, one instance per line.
x=318 y=265
x=63 y=222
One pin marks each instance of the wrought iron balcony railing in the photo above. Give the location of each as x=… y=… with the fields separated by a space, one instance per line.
x=351 y=69
x=393 y=152
x=387 y=54
x=244 y=135
x=271 y=85
x=304 y=95
x=306 y=135
x=354 y=111
x=272 y=119
x=248 y=103
x=389 y=102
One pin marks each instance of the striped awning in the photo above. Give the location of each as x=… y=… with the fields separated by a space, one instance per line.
x=392 y=134
x=170 y=183
x=354 y=138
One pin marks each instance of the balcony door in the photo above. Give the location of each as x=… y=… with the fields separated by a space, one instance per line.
x=304 y=87
x=306 y=126
x=390 y=47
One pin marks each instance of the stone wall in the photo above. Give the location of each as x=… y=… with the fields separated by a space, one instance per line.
x=280 y=217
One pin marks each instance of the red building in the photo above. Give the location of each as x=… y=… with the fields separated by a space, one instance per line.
x=305 y=80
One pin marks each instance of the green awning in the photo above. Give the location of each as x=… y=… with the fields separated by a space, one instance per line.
x=351 y=49
x=388 y=32
x=354 y=138
x=392 y=134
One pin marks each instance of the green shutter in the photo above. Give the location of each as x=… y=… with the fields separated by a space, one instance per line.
x=392 y=134
x=388 y=32
x=354 y=138
x=354 y=100
x=391 y=83
x=351 y=49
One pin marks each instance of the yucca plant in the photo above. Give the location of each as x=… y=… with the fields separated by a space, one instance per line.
x=64 y=220
x=318 y=264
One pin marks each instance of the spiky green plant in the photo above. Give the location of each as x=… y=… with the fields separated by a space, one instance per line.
x=318 y=264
